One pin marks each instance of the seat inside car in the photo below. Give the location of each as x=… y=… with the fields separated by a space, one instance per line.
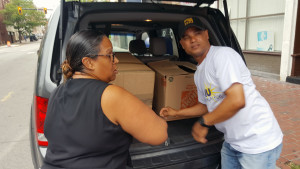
x=158 y=46
x=137 y=47
x=157 y=49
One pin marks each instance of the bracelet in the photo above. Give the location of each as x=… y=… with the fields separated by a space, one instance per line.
x=201 y=121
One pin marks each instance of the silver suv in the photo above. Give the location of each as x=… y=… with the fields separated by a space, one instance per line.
x=126 y=22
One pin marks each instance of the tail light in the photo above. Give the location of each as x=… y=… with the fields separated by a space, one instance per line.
x=41 y=109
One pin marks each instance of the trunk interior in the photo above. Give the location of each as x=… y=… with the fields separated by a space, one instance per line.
x=179 y=147
x=179 y=134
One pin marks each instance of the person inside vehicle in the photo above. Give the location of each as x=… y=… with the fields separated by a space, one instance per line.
x=229 y=100
x=90 y=123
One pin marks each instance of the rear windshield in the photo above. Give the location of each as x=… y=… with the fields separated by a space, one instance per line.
x=120 y=41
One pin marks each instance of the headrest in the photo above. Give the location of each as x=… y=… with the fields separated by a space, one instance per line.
x=158 y=46
x=137 y=46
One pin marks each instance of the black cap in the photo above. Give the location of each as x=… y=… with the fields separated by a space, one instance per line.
x=190 y=22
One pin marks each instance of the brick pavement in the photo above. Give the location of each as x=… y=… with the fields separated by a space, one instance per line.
x=284 y=99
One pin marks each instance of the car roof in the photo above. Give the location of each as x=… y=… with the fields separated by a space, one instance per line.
x=198 y=2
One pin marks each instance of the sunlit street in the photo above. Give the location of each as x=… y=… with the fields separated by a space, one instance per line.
x=17 y=67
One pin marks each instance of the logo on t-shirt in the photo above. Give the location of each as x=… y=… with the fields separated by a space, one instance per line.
x=211 y=94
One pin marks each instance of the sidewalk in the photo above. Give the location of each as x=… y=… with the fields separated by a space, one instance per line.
x=284 y=99
x=17 y=43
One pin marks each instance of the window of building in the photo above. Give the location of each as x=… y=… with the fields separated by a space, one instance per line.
x=258 y=25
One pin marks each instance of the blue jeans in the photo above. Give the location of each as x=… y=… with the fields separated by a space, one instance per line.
x=232 y=159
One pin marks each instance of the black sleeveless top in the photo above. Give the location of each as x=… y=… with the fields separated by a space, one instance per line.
x=79 y=133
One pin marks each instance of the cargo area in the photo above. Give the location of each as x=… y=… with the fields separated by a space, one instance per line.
x=160 y=83
x=179 y=147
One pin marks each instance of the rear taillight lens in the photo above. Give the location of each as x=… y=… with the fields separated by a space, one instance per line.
x=41 y=109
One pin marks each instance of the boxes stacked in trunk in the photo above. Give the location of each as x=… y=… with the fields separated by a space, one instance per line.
x=135 y=77
x=167 y=83
x=174 y=85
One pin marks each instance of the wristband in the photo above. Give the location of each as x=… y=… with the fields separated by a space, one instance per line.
x=201 y=121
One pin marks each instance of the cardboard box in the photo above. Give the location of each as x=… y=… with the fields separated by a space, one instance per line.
x=135 y=77
x=174 y=85
x=125 y=57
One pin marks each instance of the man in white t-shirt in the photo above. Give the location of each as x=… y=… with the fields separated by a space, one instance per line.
x=228 y=99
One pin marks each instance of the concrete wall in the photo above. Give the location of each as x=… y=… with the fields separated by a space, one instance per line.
x=263 y=64
x=288 y=38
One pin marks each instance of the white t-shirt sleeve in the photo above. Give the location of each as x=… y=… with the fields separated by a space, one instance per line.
x=227 y=64
x=201 y=97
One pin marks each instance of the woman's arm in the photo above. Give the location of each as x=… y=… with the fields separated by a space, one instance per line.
x=136 y=118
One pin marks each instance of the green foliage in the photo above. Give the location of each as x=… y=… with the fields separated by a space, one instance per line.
x=292 y=165
x=295 y=166
x=26 y=22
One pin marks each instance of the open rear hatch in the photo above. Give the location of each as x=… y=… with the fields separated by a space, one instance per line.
x=77 y=9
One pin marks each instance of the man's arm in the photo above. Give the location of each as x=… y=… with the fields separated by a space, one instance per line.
x=232 y=103
x=196 y=110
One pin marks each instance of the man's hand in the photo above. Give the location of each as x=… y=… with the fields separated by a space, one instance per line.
x=199 y=133
x=167 y=111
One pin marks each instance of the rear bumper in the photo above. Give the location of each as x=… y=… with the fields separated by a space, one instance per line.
x=194 y=156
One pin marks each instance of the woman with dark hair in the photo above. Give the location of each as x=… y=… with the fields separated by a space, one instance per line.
x=90 y=123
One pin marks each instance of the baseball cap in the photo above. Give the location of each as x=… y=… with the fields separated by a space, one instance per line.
x=190 y=22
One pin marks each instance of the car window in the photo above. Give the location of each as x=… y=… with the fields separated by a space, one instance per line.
x=169 y=37
x=120 y=41
x=145 y=38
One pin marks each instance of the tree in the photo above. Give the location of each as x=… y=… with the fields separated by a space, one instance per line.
x=24 y=23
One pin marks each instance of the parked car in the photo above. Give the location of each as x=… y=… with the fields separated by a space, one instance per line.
x=123 y=22
x=39 y=36
x=32 y=38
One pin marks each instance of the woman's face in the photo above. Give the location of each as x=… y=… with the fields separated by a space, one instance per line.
x=105 y=65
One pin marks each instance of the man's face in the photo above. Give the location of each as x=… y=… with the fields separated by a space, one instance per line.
x=195 y=42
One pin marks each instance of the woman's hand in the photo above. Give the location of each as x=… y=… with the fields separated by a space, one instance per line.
x=168 y=111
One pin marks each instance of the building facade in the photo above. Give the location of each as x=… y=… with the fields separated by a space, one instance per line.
x=268 y=32
x=3 y=32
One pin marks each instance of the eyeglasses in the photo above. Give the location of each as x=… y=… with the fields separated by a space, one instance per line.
x=111 y=56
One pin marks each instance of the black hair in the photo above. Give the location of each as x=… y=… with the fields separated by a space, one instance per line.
x=82 y=44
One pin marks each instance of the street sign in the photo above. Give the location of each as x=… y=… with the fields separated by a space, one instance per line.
x=20 y=10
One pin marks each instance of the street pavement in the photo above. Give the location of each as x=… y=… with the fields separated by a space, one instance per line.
x=17 y=67
x=284 y=99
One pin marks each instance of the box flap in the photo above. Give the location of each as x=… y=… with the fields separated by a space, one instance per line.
x=125 y=57
x=187 y=66
x=167 y=67
x=132 y=67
